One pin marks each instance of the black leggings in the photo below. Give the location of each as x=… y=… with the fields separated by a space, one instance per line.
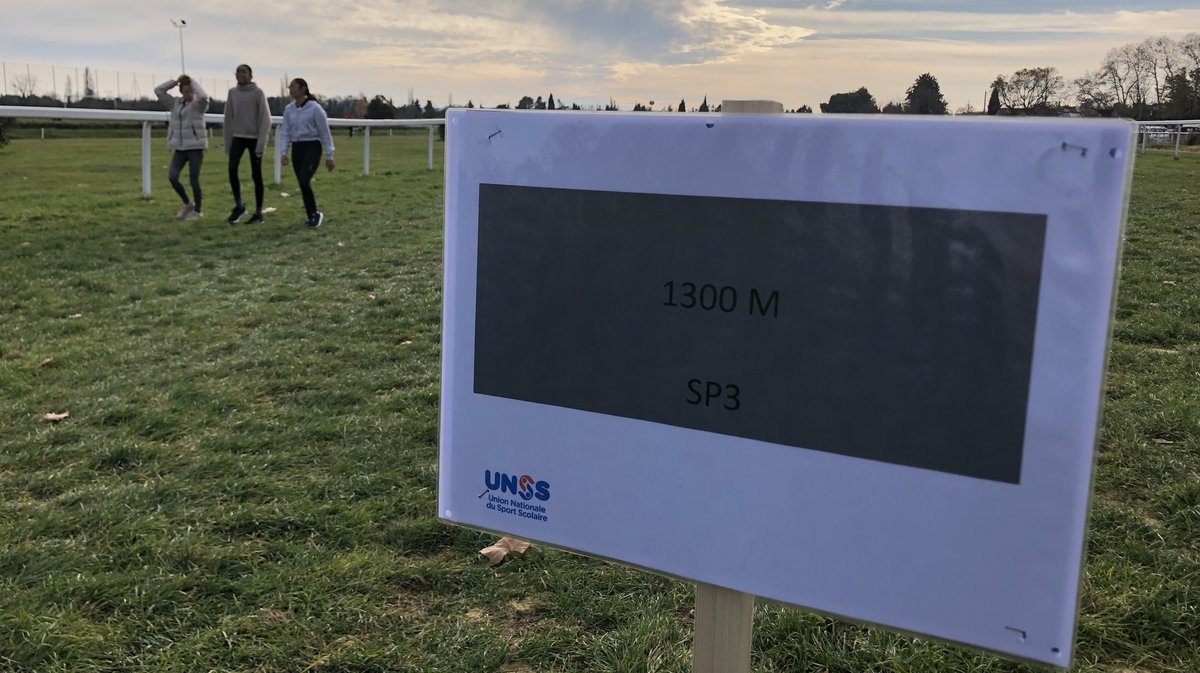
x=193 y=158
x=240 y=145
x=306 y=157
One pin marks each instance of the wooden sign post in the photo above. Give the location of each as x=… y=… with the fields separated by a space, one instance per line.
x=724 y=618
x=724 y=630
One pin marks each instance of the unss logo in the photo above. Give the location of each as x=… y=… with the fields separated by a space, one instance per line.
x=524 y=485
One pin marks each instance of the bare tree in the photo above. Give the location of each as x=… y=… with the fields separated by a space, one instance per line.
x=1092 y=91
x=1189 y=48
x=1129 y=70
x=1167 y=58
x=1031 y=89
x=25 y=85
x=1135 y=77
x=1119 y=78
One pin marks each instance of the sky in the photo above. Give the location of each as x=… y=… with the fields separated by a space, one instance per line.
x=581 y=51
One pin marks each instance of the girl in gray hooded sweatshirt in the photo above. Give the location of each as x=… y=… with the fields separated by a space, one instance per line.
x=305 y=131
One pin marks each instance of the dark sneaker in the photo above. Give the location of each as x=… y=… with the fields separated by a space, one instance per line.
x=236 y=213
x=316 y=220
x=255 y=218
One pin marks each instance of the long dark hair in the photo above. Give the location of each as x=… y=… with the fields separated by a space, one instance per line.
x=308 y=95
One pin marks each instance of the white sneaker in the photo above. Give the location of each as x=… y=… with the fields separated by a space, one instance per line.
x=183 y=211
x=193 y=215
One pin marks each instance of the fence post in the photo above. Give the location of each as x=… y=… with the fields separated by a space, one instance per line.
x=430 y=162
x=366 y=150
x=145 y=160
x=278 y=152
x=1178 y=138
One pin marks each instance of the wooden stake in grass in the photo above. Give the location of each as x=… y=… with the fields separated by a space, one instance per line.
x=724 y=627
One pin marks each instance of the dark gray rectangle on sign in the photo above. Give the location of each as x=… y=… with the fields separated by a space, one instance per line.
x=888 y=333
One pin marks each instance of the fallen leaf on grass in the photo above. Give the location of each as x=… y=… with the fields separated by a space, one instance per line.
x=496 y=553
x=269 y=210
x=284 y=194
x=515 y=544
x=75 y=315
x=341 y=245
x=371 y=296
x=54 y=418
x=46 y=363
x=406 y=342
x=1162 y=441
x=1169 y=282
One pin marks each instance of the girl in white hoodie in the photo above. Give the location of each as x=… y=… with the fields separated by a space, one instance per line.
x=187 y=136
x=305 y=130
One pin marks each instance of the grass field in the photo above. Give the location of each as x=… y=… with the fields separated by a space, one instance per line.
x=246 y=480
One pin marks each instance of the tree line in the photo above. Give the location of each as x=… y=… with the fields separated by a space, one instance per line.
x=1158 y=78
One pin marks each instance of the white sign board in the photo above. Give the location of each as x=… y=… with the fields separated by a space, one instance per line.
x=851 y=364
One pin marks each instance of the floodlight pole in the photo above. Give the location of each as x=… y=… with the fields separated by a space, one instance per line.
x=180 y=24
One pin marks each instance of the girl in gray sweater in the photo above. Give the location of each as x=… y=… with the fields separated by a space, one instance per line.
x=247 y=128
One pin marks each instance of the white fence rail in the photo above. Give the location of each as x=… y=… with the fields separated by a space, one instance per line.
x=146 y=118
x=1166 y=132
x=1157 y=132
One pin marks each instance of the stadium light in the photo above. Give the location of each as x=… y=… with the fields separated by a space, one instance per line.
x=180 y=24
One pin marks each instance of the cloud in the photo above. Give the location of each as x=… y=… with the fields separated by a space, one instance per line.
x=510 y=42
x=987 y=26
x=559 y=38
x=629 y=49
